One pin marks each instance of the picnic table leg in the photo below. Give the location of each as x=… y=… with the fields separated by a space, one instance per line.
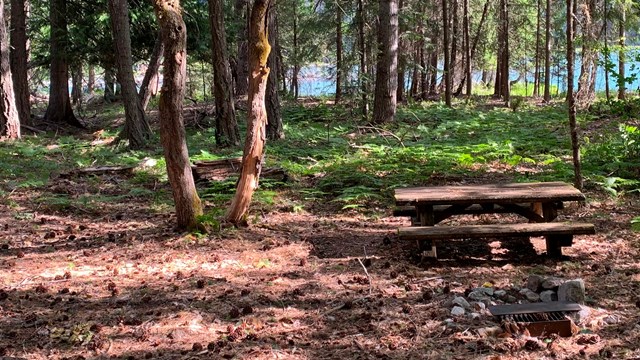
x=555 y=244
x=426 y=217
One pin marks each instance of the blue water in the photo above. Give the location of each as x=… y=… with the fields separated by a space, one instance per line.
x=317 y=80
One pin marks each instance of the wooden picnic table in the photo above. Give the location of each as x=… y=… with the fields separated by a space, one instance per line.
x=537 y=202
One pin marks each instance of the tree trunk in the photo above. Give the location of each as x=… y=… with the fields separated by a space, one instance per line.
x=362 y=70
x=622 y=86
x=547 y=53
x=241 y=12
x=151 y=75
x=9 y=118
x=506 y=85
x=447 y=60
x=402 y=57
x=475 y=43
x=76 y=83
x=606 y=50
x=253 y=154
x=59 y=109
x=227 y=133
x=571 y=98
x=296 y=68
x=536 y=70
x=19 y=58
x=275 y=129
x=467 y=48
x=109 y=84
x=584 y=96
x=339 y=64
x=385 y=102
x=136 y=128
x=453 y=61
x=91 y=81
x=172 y=133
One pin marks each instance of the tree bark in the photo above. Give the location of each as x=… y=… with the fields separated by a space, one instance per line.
x=242 y=85
x=275 y=128
x=91 y=81
x=536 y=70
x=447 y=59
x=296 y=67
x=109 y=84
x=506 y=85
x=385 y=102
x=151 y=75
x=585 y=96
x=402 y=57
x=339 y=64
x=227 y=133
x=59 y=109
x=622 y=86
x=76 y=82
x=606 y=50
x=19 y=58
x=136 y=128
x=172 y=133
x=9 y=118
x=571 y=97
x=454 y=44
x=362 y=70
x=475 y=43
x=547 y=53
x=253 y=154
x=467 y=48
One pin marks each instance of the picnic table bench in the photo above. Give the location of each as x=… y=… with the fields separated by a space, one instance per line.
x=536 y=202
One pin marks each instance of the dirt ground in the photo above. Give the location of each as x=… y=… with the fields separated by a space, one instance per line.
x=122 y=283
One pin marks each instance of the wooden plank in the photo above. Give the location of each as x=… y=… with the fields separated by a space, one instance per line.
x=489 y=193
x=554 y=306
x=494 y=230
x=459 y=209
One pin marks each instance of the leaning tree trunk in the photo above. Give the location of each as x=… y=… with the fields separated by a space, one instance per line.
x=172 y=133
x=227 y=133
x=275 y=128
x=59 y=109
x=385 y=101
x=547 y=53
x=536 y=71
x=151 y=75
x=136 y=128
x=467 y=49
x=9 y=119
x=252 y=159
x=571 y=103
x=20 y=57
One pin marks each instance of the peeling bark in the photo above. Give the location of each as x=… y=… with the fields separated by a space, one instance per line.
x=252 y=159
x=172 y=132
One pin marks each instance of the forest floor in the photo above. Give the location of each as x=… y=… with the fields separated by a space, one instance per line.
x=118 y=281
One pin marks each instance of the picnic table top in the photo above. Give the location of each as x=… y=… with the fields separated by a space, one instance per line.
x=489 y=193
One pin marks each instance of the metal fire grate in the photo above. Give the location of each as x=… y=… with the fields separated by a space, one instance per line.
x=538 y=319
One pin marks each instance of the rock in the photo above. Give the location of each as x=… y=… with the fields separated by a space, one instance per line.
x=486 y=290
x=581 y=316
x=474 y=316
x=462 y=302
x=548 y=296
x=611 y=319
x=479 y=306
x=572 y=291
x=530 y=295
x=499 y=294
x=477 y=295
x=510 y=299
x=490 y=331
x=457 y=311
x=552 y=283
x=534 y=282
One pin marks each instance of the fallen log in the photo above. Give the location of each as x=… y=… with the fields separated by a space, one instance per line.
x=219 y=170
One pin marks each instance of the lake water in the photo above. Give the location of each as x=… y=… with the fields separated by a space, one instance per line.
x=316 y=80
